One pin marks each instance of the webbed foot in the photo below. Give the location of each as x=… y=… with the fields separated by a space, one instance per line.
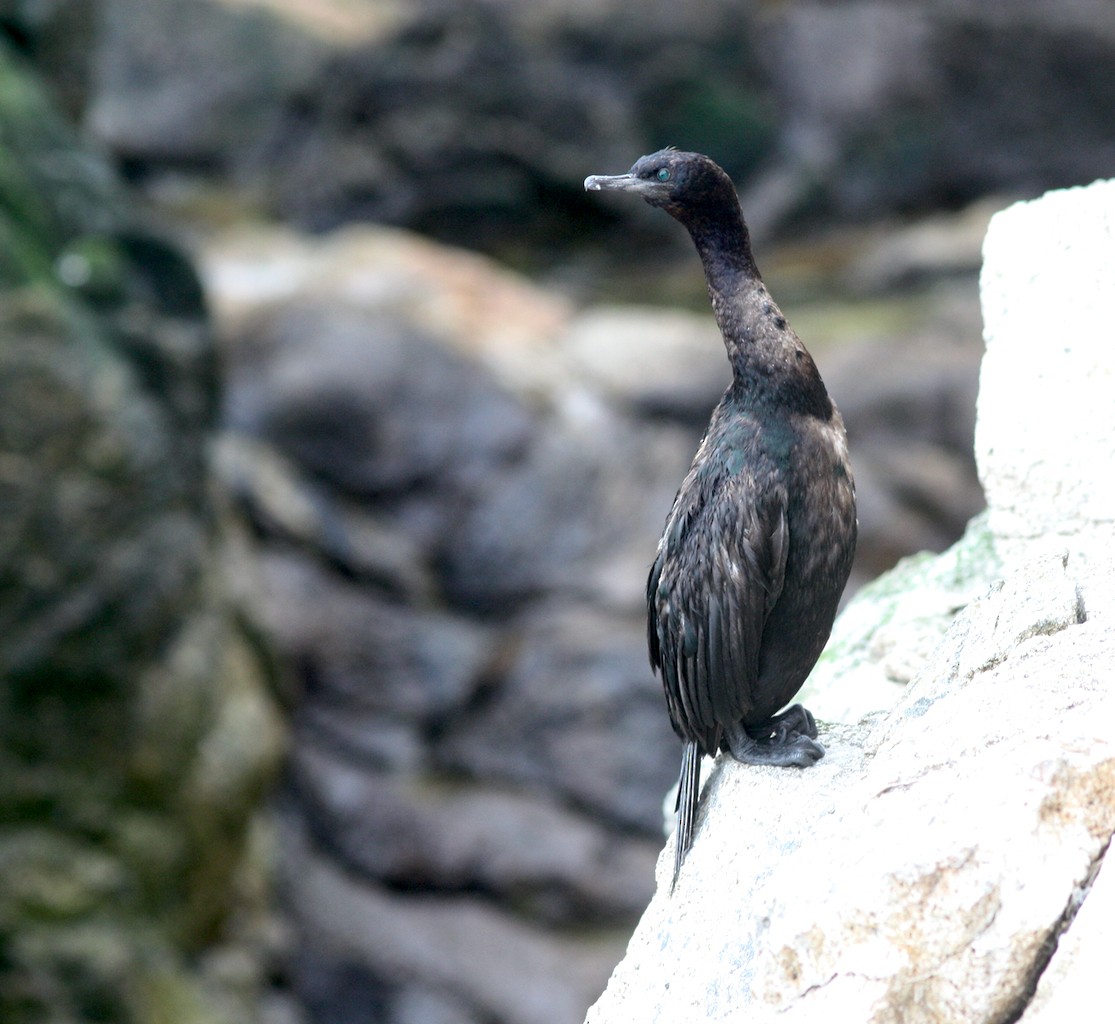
x=788 y=739
x=794 y=719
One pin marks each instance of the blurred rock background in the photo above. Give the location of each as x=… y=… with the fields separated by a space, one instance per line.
x=138 y=732
x=337 y=422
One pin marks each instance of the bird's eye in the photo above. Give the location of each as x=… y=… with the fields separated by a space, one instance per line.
x=663 y=174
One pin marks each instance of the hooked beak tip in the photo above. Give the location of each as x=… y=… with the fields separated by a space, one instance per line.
x=613 y=183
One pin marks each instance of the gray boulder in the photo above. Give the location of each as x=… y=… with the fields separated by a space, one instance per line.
x=941 y=863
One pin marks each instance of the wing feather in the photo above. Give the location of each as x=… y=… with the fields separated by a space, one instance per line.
x=718 y=572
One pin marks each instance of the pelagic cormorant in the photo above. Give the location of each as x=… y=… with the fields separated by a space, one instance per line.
x=758 y=545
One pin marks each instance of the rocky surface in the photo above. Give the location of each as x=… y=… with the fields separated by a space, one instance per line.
x=137 y=731
x=988 y=791
x=1075 y=980
x=1041 y=477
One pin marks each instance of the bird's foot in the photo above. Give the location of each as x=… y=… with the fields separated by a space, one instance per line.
x=797 y=751
x=796 y=719
x=788 y=739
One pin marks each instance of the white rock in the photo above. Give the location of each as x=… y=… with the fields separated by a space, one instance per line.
x=1077 y=984
x=1045 y=433
x=892 y=625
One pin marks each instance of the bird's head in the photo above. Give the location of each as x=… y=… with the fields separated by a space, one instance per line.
x=679 y=183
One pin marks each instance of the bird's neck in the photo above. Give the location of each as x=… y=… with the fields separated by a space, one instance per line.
x=769 y=364
x=723 y=241
x=750 y=322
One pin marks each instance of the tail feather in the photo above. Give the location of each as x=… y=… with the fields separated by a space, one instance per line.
x=689 y=789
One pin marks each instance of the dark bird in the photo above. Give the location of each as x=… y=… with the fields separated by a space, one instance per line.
x=758 y=545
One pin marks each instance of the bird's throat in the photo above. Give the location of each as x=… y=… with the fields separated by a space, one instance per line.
x=723 y=243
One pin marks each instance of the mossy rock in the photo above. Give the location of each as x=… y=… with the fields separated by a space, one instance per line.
x=136 y=730
x=893 y=623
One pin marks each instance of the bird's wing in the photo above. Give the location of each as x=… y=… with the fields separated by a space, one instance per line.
x=718 y=572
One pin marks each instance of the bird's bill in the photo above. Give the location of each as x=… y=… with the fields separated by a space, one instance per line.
x=615 y=183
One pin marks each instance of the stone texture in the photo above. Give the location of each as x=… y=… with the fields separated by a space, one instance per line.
x=370 y=665
x=491 y=962
x=578 y=674
x=985 y=816
x=1076 y=981
x=334 y=392
x=987 y=792
x=892 y=625
x=171 y=78
x=528 y=853
x=468 y=302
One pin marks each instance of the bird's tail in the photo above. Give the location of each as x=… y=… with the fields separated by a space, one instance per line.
x=689 y=789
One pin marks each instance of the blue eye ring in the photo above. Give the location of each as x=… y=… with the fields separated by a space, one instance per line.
x=663 y=174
